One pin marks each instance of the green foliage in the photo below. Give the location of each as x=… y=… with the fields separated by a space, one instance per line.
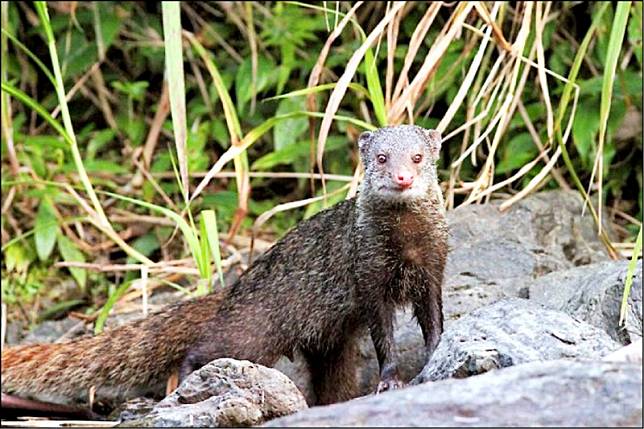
x=44 y=63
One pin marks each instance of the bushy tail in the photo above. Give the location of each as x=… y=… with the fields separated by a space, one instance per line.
x=141 y=353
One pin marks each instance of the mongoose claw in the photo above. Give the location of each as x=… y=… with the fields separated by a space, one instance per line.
x=390 y=384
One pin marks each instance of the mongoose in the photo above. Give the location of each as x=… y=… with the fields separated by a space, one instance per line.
x=334 y=276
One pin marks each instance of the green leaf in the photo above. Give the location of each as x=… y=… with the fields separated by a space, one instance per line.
x=105 y=311
x=70 y=253
x=136 y=90
x=31 y=55
x=290 y=154
x=76 y=55
x=98 y=141
x=288 y=63
x=145 y=244
x=585 y=128
x=202 y=287
x=359 y=89
x=288 y=131
x=629 y=276
x=104 y=166
x=110 y=23
x=612 y=55
x=45 y=229
x=243 y=80
x=518 y=152
x=375 y=89
x=209 y=226
x=17 y=258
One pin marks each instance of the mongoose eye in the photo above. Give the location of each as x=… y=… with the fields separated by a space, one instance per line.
x=417 y=158
x=382 y=158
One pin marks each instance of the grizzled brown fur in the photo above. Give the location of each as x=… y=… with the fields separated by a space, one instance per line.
x=334 y=276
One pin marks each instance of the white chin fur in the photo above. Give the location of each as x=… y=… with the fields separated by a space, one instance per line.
x=402 y=195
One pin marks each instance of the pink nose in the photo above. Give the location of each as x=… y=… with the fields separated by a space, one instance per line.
x=404 y=179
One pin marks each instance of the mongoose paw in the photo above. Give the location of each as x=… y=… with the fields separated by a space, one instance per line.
x=421 y=378
x=389 y=384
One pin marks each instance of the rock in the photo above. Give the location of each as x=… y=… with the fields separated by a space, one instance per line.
x=554 y=393
x=631 y=353
x=51 y=331
x=593 y=293
x=133 y=409
x=510 y=332
x=493 y=255
x=226 y=392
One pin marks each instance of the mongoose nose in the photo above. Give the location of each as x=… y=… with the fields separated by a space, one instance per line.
x=404 y=179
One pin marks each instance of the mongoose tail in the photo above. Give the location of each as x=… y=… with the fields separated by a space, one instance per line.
x=130 y=356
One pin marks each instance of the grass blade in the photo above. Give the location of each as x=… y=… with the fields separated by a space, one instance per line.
x=209 y=218
x=612 y=55
x=315 y=89
x=234 y=130
x=561 y=113
x=629 y=277
x=105 y=311
x=31 y=55
x=41 y=8
x=375 y=89
x=176 y=86
x=188 y=232
x=252 y=136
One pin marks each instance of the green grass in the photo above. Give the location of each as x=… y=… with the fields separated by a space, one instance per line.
x=75 y=179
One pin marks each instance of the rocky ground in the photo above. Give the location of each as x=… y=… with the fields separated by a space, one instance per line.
x=531 y=337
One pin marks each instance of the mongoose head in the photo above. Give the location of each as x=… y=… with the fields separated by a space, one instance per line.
x=400 y=162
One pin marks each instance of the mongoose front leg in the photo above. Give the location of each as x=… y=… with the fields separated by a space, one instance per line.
x=429 y=314
x=382 y=335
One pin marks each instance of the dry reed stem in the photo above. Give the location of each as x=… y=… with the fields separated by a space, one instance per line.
x=314 y=79
x=537 y=141
x=343 y=83
x=533 y=183
x=261 y=219
x=252 y=41
x=155 y=267
x=469 y=77
x=440 y=45
x=541 y=61
x=103 y=95
x=415 y=43
x=261 y=174
x=163 y=109
x=392 y=38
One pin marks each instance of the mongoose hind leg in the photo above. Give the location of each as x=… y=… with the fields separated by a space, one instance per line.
x=333 y=373
x=257 y=350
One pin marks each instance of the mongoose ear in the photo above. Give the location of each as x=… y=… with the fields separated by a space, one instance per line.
x=364 y=140
x=434 y=140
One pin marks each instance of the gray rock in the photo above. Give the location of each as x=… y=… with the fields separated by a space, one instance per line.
x=226 y=392
x=554 y=393
x=511 y=332
x=593 y=293
x=51 y=331
x=493 y=253
x=133 y=409
x=631 y=353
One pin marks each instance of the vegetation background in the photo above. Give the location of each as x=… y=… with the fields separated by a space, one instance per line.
x=144 y=143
